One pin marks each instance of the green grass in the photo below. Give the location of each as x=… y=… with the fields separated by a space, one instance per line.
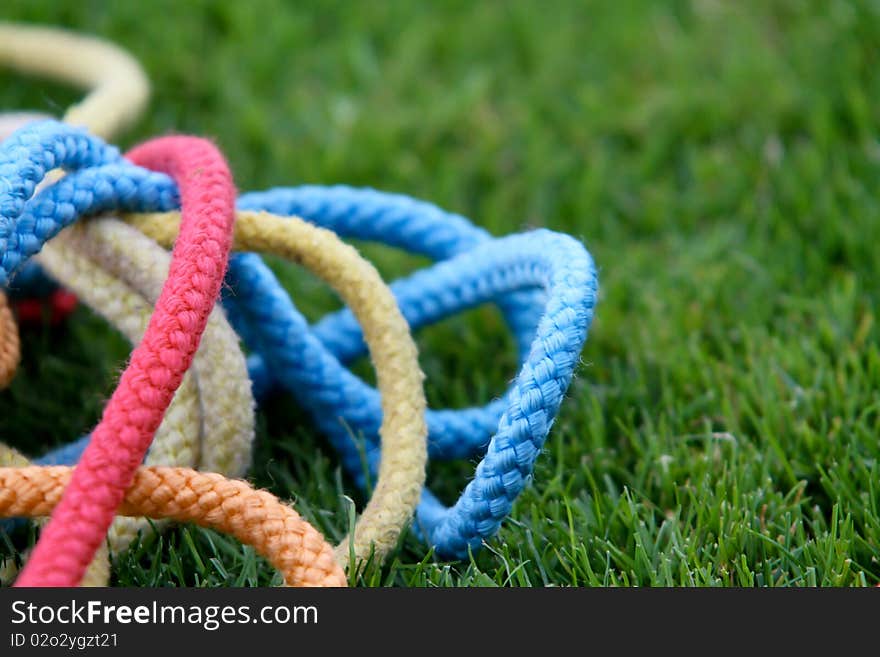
x=721 y=162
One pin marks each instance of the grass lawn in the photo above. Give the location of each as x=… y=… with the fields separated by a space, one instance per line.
x=720 y=161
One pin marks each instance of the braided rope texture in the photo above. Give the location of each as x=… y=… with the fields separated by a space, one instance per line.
x=98 y=572
x=117 y=93
x=254 y=517
x=401 y=471
x=33 y=289
x=463 y=534
x=266 y=318
x=10 y=346
x=117 y=90
x=392 y=349
x=210 y=423
x=211 y=417
x=226 y=404
x=540 y=267
x=158 y=363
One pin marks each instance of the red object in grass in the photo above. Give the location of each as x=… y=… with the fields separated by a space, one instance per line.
x=59 y=304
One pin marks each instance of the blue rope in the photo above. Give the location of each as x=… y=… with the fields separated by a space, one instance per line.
x=545 y=284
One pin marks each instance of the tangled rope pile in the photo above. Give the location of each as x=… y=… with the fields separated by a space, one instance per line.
x=398 y=486
x=394 y=353
x=554 y=263
x=544 y=282
x=158 y=364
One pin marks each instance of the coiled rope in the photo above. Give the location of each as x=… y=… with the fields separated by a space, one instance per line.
x=556 y=264
x=548 y=305
x=400 y=480
x=158 y=363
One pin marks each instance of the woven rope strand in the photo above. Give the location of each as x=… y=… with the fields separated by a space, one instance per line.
x=214 y=429
x=331 y=392
x=117 y=93
x=157 y=365
x=253 y=517
x=463 y=531
x=555 y=263
x=226 y=425
x=401 y=471
x=358 y=283
x=10 y=346
x=226 y=402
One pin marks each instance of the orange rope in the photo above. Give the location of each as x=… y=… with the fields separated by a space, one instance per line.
x=254 y=517
x=10 y=347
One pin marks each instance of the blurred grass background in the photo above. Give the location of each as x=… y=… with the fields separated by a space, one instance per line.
x=720 y=161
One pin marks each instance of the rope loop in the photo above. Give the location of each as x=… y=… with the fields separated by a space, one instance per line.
x=544 y=278
x=545 y=283
x=117 y=185
x=160 y=361
x=510 y=433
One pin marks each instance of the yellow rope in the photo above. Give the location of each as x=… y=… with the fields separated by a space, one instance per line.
x=394 y=354
x=117 y=86
x=117 y=93
x=403 y=431
x=119 y=90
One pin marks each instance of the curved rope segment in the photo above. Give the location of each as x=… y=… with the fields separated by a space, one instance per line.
x=159 y=362
x=401 y=474
x=339 y=402
x=117 y=89
x=253 y=517
x=10 y=346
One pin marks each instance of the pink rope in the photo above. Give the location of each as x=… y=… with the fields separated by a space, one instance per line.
x=81 y=520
